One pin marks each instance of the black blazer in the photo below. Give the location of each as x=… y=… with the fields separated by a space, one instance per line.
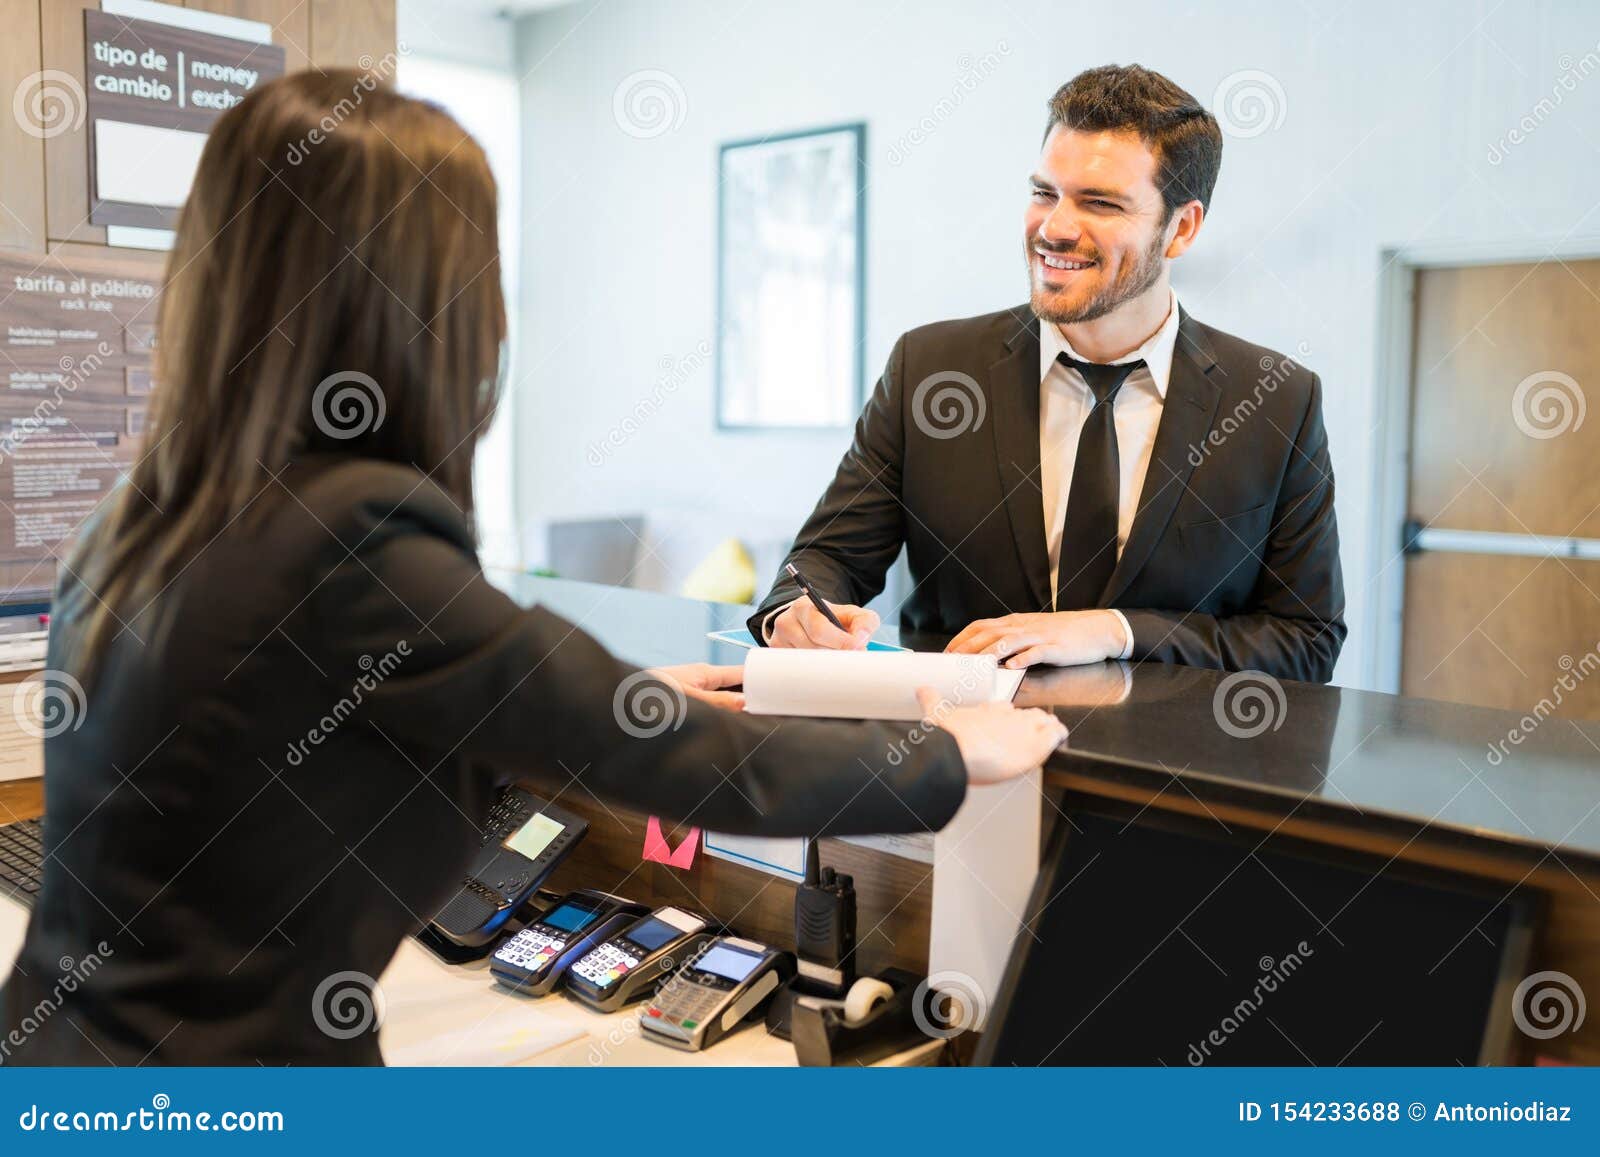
x=291 y=778
x=1233 y=557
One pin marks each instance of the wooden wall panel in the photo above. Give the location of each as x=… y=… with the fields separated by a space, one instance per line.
x=345 y=31
x=67 y=155
x=290 y=20
x=1569 y=943
x=1503 y=631
x=20 y=799
x=1482 y=331
x=21 y=152
x=67 y=250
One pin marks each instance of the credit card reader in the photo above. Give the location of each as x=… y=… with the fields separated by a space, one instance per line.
x=523 y=840
x=713 y=994
x=623 y=968
x=535 y=959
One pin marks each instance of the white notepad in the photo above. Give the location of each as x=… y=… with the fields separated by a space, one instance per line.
x=855 y=685
x=986 y=859
x=868 y=685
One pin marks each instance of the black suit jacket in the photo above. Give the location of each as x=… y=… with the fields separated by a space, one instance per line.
x=289 y=778
x=1233 y=557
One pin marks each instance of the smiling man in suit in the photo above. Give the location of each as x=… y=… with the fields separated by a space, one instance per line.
x=1096 y=474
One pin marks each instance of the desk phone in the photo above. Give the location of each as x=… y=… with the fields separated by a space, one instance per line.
x=524 y=839
x=712 y=995
x=620 y=970
x=536 y=958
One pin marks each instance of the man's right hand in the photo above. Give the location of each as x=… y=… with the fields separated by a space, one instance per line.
x=800 y=624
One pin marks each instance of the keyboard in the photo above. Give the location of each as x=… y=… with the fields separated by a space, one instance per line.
x=21 y=860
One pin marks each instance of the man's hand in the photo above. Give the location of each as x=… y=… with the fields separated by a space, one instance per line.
x=802 y=625
x=1061 y=638
x=707 y=683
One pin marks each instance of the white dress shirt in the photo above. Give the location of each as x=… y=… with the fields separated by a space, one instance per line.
x=1064 y=404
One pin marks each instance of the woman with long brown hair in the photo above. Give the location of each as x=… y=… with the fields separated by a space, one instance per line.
x=297 y=536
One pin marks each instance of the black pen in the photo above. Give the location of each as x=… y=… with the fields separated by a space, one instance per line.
x=811 y=593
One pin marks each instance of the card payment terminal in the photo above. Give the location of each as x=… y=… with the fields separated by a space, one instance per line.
x=536 y=958
x=622 y=969
x=523 y=840
x=712 y=994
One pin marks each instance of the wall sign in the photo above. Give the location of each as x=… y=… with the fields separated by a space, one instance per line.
x=76 y=337
x=154 y=91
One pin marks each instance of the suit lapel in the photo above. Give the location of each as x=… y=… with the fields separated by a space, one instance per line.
x=1014 y=407
x=1186 y=416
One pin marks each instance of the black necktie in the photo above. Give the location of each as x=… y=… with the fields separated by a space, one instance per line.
x=1089 y=532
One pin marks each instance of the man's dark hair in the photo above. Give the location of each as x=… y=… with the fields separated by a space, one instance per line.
x=1180 y=131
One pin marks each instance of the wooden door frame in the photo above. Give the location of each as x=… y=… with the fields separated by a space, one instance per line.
x=1396 y=334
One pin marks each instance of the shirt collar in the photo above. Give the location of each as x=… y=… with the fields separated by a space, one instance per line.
x=1156 y=352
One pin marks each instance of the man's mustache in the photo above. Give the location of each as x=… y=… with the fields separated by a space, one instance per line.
x=1062 y=249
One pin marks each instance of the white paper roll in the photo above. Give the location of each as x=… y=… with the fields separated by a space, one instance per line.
x=867 y=684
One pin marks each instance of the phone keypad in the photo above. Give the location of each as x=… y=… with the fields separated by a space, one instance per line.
x=605 y=965
x=509 y=813
x=531 y=949
x=685 y=1003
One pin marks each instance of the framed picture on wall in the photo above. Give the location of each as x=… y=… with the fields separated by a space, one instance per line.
x=790 y=278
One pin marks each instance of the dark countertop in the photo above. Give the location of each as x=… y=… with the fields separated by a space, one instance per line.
x=1442 y=773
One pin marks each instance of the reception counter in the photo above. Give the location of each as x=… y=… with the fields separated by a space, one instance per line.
x=1498 y=799
x=1485 y=796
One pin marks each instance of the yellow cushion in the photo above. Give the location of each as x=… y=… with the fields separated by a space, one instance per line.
x=726 y=575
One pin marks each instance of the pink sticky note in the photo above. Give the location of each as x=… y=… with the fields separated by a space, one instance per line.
x=658 y=851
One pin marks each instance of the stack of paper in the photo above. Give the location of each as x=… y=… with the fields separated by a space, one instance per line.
x=868 y=684
x=985 y=861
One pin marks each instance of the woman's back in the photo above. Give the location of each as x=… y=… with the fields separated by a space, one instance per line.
x=265 y=796
x=224 y=817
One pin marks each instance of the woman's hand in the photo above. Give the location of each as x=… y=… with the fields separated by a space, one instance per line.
x=997 y=741
x=707 y=683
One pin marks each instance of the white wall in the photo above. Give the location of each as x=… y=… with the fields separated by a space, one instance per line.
x=465 y=62
x=1389 y=116
x=472 y=34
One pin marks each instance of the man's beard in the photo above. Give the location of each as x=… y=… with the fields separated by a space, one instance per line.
x=1131 y=281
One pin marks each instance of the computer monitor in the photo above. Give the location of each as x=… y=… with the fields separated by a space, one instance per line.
x=1164 y=941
